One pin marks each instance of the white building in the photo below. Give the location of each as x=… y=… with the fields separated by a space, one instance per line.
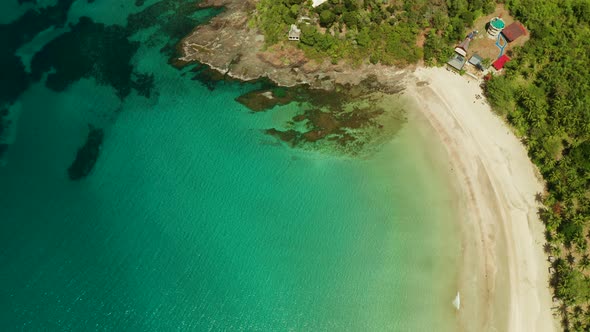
x=294 y=33
x=318 y=2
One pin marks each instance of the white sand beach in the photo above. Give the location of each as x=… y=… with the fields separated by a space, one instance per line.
x=504 y=280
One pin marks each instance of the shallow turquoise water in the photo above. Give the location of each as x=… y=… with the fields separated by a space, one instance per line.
x=194 y=219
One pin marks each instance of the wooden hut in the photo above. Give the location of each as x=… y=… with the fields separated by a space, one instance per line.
x=513 y=31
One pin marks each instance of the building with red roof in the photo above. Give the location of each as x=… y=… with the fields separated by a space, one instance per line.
x=513 y=31
x=499 y=64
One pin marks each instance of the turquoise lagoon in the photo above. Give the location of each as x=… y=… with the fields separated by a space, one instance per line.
x=194 y=219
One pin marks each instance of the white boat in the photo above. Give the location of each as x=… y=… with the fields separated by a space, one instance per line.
x=457 y=301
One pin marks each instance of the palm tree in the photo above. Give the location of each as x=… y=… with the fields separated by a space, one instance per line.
x=565 y=322
x=577 y=326
x=566 y=244
x=548 y=248
x=577 y=311
x=558 y=238
x=570 y=258
x=576 y=314
x=539 y=198
x=578 y=220
x=585 y=262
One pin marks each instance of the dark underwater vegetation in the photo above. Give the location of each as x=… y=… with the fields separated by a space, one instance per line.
x=88 y=50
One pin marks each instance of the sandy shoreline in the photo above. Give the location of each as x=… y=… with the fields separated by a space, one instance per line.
x=504 y=277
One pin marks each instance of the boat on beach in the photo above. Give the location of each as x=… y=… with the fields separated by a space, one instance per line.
x=457 y=301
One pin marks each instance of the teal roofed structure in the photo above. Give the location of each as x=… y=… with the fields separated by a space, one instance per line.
x=497 y=23
x=495 y=26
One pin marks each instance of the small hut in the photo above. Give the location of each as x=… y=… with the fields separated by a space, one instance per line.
x=457 y=62
x=513 y=31
x=461 y=51
x=294 y=33
x=477 y=62
x=462 y=48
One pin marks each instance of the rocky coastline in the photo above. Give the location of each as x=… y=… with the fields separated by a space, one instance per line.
x=350 y=110
x=230 y=45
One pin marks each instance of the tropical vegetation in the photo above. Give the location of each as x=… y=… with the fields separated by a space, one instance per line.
x=544 y=93
x=383 y=31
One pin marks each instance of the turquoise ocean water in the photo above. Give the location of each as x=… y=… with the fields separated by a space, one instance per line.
x=194 y=219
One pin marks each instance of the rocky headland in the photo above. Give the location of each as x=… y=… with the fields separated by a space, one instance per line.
x=230 y=44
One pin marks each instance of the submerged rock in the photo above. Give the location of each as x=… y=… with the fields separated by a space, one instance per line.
x=87 y=155
x=336 y=129
x=265 y=99
x=3 y=148
x=143 y=84
x=348 y=120
x=3 y=124
x=289 y=136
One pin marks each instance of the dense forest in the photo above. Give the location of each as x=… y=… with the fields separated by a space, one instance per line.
x=544 y=93
x=387 y=32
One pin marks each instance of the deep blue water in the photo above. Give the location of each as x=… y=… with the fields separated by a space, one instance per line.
x=192 y=218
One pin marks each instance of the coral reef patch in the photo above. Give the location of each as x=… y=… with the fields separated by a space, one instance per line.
x=349 y=120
